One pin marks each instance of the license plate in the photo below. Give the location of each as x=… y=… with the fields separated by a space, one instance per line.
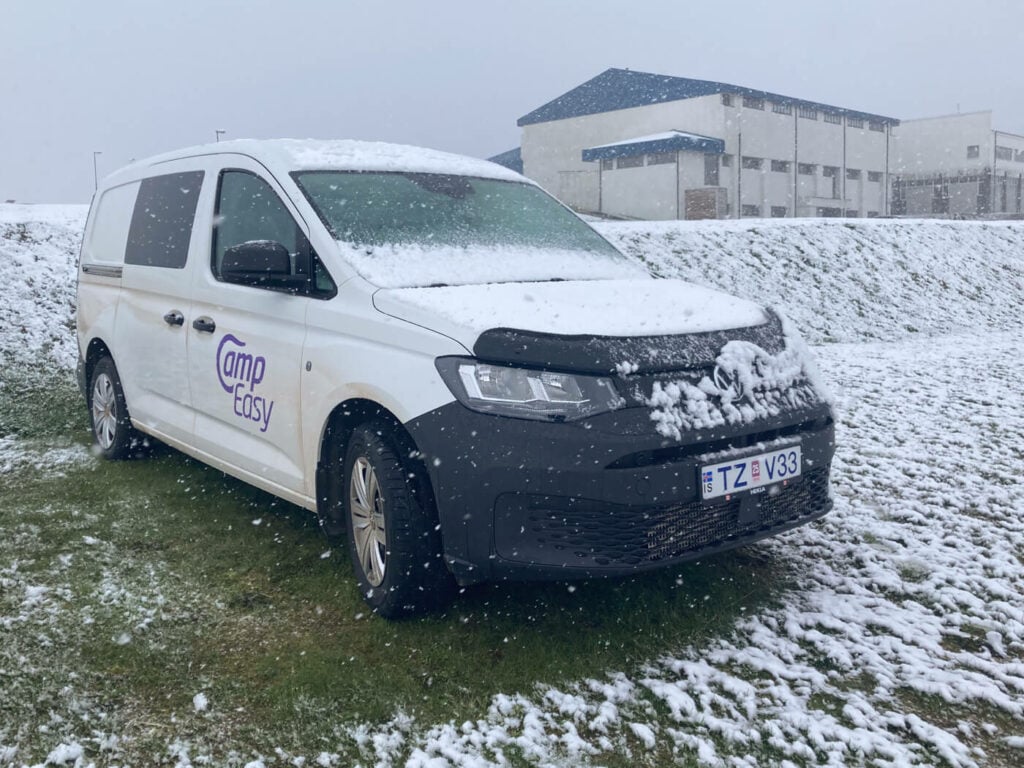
x=749 y=473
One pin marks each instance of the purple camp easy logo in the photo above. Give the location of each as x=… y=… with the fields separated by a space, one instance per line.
x=239 y=374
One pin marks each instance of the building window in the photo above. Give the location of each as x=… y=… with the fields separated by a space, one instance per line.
x=876 y=125
x=854 y=122
x=752 y=102
x=661 y=158
x=833 y=117
x=872 y=214
x=782 y=109
x=782 y=166
x=727 y=99
x=807 y=112
x=852 y=213
x=607 y=164
x=874 y=175
x=805 y=169
x=751 y=210
x=1004 y=153
x=973 y=151
x=779 y=211
x=727 y=161
x=829 y=171
x=710 y=170
x=752 y=163
x=635 y=161
x=853 y=174
x=1019 y=156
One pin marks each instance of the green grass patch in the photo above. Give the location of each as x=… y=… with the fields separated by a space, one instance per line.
x=168 y=588
x=40 y=401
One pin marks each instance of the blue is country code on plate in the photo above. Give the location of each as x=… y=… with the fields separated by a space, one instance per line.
x=750 y=472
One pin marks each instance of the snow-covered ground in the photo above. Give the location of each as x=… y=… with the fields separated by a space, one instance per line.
x=848 y=280
x=38 y=257
x=913 y=585
x=901 y=638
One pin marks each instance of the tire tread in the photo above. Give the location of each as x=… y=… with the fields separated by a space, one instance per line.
x=416 y=578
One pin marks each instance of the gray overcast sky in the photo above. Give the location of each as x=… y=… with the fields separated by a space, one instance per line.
x=136 y=78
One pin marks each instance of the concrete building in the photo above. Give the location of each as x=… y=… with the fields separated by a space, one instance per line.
x=648 y=146
x=956 y=166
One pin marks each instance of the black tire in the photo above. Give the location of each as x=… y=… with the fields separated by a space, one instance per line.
x=396 y=550
x=108 y=413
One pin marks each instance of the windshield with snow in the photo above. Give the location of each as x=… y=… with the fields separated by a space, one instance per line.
x=423 y=229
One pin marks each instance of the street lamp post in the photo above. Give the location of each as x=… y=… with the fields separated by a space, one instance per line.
x=95 y=175
x=218 y=132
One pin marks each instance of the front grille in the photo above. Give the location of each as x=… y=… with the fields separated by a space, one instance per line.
x=588 y=533
x=676 y=453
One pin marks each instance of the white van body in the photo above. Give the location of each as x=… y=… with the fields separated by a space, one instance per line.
x=267 y=381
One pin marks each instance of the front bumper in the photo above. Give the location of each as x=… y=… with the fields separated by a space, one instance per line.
x=605 y=496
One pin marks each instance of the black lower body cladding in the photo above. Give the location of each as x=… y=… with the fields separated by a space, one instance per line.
x=607 y=495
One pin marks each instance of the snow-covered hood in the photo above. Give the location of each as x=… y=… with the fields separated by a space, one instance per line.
x=616 y=308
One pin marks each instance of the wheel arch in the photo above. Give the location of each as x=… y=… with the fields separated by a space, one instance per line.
x=337 y=431
x=96 y=350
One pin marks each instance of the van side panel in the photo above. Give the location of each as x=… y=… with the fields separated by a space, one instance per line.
x=354 y=352
x=245 y=370
x=149 y=344
x=101 y=264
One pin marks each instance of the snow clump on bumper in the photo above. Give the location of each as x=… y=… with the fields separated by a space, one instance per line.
x=747 y=384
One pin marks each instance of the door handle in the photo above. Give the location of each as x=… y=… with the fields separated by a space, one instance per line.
x=204 y=324
x=174 y=317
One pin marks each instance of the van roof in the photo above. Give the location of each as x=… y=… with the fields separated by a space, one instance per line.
x=286 y=155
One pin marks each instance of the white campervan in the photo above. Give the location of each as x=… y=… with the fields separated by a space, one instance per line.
x=441 y=361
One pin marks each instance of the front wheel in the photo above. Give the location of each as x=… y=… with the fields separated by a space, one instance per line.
x=108 y=412
x=391 y=521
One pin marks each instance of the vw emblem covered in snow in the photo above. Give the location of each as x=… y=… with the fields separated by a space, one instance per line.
x=726 y=381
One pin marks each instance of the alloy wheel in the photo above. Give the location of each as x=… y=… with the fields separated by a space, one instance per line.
x=104 y=411
x=366 y=505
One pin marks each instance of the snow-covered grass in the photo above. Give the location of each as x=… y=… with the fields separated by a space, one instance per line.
x=848 y=280
x=146 y=618
x=902 y=641
x=38 y=257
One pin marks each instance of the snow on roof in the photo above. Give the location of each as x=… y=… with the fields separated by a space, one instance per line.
x=652 y=137
x=616 y=89
x=285 y=155
x=666 y=141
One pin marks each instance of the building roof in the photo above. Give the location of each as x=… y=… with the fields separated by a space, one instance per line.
x=616 y=89
x=669 y=141
x=512 y=159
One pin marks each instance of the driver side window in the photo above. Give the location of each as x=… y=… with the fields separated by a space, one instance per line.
x=249 y=209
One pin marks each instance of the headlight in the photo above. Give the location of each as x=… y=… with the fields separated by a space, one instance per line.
x=525 y=393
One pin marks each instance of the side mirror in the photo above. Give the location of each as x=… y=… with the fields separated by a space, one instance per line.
x=260 y=263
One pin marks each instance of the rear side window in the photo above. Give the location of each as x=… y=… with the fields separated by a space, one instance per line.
x=161 y=225
x=111 y=221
